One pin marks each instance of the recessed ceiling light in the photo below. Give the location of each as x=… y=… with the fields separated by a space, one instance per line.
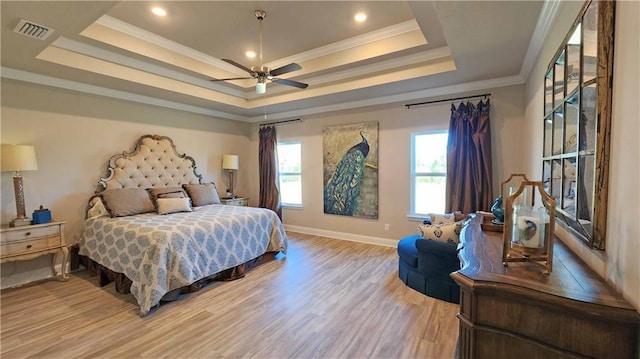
x=250 y=54
x=159 y=11
x=360 y=17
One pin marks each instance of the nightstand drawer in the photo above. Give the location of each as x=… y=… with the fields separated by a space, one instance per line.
x=31 y=245
x=240 y=201
x=28 y=233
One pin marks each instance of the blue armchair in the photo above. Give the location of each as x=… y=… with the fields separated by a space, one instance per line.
x=425 y=266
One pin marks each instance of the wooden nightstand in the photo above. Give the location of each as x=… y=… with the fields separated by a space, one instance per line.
x=28 y=242
x=238 y=201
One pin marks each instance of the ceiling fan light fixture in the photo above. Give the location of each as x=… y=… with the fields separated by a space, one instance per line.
x=158 y=11
x=360 y=17
x=263 y=73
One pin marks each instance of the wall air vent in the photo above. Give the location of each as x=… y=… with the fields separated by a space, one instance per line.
x=33 y=30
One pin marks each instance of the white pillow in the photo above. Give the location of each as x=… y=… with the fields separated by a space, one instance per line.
x=446 y=232
x=173 y=205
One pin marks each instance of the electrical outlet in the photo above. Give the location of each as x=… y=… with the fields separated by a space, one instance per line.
x=386 y=226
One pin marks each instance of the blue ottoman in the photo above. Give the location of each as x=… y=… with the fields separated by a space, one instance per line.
x=425 y=266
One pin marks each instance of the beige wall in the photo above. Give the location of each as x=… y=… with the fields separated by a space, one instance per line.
x=619 y=264
x=395 y=127
x=76 y=134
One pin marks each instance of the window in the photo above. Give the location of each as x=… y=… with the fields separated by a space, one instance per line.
x=428 y=172
x=290 y=173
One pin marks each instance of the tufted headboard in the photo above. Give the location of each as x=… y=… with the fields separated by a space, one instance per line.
x=154 y=162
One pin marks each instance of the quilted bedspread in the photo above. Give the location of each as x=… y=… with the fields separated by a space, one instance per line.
x=160 y=253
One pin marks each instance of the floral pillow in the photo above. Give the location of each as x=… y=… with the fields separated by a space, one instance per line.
x=445 y=232
x=442 y=218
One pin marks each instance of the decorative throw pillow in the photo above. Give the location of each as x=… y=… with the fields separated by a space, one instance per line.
x=166 y=192
x=96 y=208
x=446 y=232
x=122 y=202
x=173 y=205
x=442 y=218
x=202 y=194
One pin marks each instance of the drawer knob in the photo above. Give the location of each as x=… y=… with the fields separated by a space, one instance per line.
x=27 y=234
x=28 y=246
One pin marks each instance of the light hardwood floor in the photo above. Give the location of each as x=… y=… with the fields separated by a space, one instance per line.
x=326 y=299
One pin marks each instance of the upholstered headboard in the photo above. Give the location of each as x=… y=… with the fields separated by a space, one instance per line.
x=154 y=162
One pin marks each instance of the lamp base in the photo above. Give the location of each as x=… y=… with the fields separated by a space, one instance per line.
x=18 y=222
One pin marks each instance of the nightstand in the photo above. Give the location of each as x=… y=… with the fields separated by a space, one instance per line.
x=238 y=201
x=28 y=242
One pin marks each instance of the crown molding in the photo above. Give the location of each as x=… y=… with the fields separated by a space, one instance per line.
x=44 y=80
x=85 y=49
x=398 y=98
x=404 y=61
x=377 y=35
x=160 y=41
x=89 y=50
x=367 y=38
x=546 y=19
x=391 y=64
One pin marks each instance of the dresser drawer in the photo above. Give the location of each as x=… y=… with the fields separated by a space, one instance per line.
x=29 y=233
x=30 y=245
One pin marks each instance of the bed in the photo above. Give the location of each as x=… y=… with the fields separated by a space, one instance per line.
x=156 y=230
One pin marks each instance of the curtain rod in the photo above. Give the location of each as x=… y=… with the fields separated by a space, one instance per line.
x=447 y=100
x=279 y=122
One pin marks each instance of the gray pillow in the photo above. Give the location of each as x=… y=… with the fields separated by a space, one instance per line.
x=202 y=194
x=122 y=202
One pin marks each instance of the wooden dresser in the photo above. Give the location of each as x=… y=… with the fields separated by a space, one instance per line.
x=518 y=312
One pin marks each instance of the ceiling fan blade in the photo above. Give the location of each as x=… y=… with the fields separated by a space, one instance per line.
x=238 y=65
x=290 y=83
x=285 y=69
x=232 y=78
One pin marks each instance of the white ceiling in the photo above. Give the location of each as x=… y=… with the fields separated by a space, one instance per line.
x=405 y=51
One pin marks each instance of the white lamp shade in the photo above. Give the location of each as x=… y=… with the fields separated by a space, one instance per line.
x=18 y=158
x=230 y=162
x=261 y=88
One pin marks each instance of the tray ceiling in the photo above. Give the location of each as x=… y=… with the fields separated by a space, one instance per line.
x=404 y=51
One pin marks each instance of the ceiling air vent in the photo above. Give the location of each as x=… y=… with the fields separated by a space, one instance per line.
x=33 y=30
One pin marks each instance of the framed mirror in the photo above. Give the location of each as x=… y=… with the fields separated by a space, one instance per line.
x=577 y=123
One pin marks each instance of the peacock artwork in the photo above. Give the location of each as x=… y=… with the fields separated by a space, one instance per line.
x=350 y=159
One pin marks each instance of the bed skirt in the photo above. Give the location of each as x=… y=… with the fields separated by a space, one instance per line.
x=123 y=284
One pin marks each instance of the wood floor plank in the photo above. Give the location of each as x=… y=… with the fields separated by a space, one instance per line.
x=325 y=299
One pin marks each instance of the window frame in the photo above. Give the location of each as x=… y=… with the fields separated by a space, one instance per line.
x=595 y=236
x=414 y=174
x=286 y=204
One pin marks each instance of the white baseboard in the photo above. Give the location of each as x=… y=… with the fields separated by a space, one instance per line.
x=386 y=242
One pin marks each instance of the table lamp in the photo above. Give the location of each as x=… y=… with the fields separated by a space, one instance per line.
x=16 y=158
x=230 y=163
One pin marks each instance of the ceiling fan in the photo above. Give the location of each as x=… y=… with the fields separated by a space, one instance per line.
x=263 y=73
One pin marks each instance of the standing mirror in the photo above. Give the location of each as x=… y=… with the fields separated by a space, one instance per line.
x=577 y=123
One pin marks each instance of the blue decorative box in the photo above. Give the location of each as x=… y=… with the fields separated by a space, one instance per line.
x=41 y=215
